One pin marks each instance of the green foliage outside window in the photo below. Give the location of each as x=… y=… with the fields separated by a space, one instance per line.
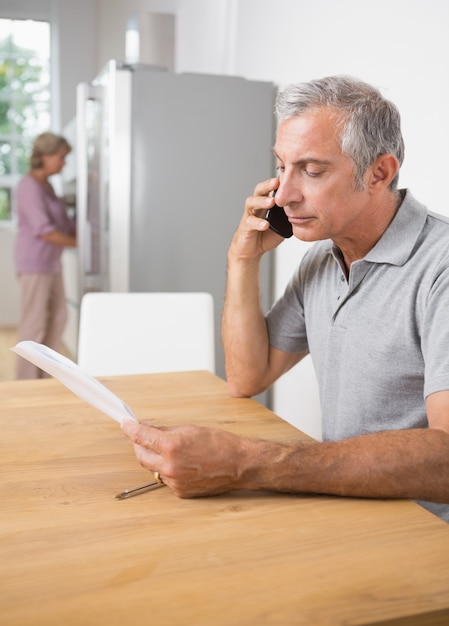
x=24 y=99
x=5 y=202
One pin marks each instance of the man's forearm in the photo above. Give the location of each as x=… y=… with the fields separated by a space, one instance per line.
x=244 y=331
x=411 y=464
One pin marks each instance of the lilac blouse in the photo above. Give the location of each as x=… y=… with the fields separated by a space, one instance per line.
x=39 y=212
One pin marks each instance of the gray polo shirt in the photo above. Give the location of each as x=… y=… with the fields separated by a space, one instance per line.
x=379 y=340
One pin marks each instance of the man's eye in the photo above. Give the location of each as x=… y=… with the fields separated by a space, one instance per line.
x=280 y=168
x=313 y=173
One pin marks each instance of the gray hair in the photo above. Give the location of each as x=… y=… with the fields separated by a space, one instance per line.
x=47 y=143
x=369 y=124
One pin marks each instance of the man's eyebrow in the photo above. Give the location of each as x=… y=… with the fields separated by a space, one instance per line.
x=305 y=160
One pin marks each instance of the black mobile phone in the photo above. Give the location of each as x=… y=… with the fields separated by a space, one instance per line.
x=279 y=221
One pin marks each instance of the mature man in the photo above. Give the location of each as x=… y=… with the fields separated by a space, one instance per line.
x=369 y=302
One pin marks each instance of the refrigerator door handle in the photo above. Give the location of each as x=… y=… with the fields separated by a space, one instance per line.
x=88 y=181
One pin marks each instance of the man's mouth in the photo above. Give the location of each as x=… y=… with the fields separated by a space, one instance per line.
x=300 y=220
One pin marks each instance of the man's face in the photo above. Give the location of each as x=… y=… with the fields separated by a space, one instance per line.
x=317 y=187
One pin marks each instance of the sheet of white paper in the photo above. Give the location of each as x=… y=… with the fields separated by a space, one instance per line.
x=76 y=379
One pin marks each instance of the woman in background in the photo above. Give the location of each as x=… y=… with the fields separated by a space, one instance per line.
x=44 y=229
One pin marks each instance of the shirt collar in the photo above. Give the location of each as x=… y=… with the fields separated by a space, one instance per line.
x=398 y=241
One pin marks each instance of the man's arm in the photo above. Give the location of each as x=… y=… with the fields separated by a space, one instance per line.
x=409 y=464
x=252 y=364
x=390 y=464
x=196 y=461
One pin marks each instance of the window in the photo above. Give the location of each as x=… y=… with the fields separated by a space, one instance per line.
x=24 y=99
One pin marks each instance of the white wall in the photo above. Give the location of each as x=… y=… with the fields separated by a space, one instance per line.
x=112 y=24
x=74 y=47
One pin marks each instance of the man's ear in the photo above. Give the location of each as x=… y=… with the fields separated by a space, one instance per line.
x=382 y=172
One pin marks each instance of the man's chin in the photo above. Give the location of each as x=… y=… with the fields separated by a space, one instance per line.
x=305 y=232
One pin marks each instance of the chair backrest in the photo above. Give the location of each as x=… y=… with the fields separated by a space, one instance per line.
x=136 y=333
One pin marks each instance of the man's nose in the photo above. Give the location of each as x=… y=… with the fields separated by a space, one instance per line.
x=288 y=192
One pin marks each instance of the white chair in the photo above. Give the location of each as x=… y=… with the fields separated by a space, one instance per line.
x=136 y=333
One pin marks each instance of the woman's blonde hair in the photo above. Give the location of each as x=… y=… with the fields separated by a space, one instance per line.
x=47 y=143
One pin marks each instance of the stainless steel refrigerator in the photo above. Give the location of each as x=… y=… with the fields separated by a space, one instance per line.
x=165 y=162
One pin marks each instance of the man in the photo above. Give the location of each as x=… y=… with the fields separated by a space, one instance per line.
x=369 y=302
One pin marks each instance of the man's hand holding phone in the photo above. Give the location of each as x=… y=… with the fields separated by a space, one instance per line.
x=255 y=235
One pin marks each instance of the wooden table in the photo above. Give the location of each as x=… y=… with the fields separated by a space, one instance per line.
x=72 y=554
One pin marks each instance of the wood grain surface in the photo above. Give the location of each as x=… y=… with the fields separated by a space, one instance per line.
x=72 y=554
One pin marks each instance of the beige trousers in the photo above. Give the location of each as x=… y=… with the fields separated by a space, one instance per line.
x=43 y=317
